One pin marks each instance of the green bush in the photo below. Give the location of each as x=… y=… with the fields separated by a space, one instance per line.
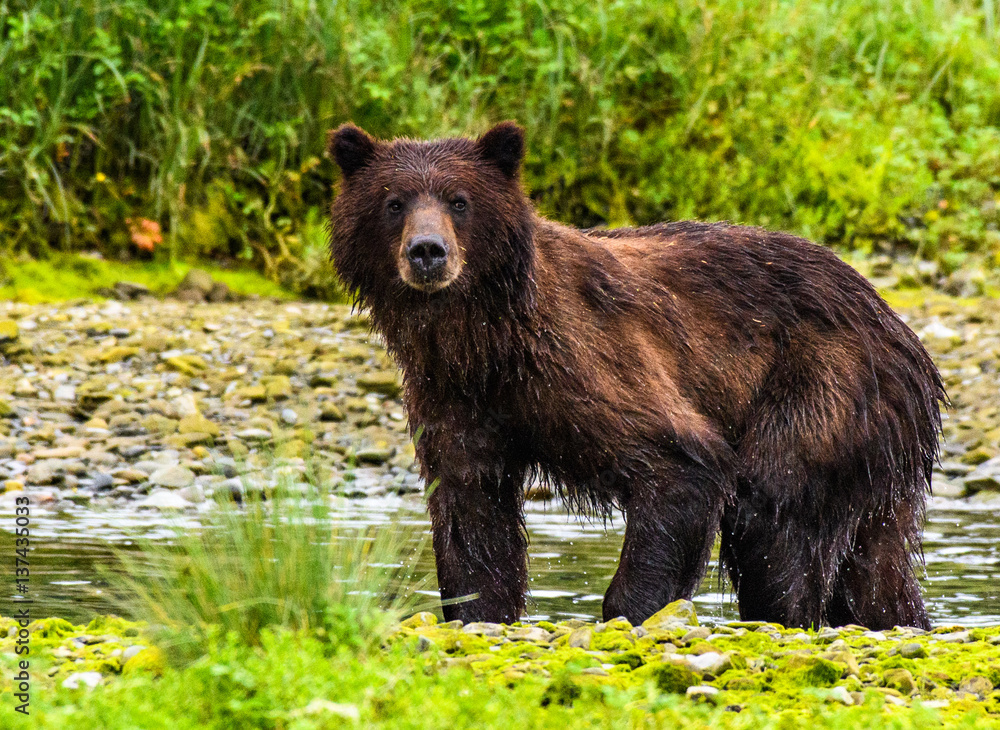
x=865 y=123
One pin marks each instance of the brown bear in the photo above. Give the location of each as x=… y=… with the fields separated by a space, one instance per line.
x=696 y=376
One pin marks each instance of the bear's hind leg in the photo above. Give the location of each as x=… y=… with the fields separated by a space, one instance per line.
x=875 y=585
x=781 y=560
x=669 y=532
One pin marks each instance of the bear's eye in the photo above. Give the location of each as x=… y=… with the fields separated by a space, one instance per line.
x=394 y=206
x=458 y=204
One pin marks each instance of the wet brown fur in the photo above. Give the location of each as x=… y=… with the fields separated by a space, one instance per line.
x=699 y=377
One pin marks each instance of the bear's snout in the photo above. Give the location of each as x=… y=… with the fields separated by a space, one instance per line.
x=428 y=252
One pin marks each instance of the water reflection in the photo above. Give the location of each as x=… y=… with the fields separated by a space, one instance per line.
x=572 y=560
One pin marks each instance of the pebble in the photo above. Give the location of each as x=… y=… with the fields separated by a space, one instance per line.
x=88 y=679
x=174 y=477
x=912 y=650
x=165 y=499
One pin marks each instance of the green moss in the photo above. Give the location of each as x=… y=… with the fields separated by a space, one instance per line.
x=632 y=659
x=612 y=640
x=561 y=691
x=521 y=684
x=52 y=628
x=673 y=678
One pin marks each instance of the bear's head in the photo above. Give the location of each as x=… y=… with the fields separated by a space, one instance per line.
x=429 y=218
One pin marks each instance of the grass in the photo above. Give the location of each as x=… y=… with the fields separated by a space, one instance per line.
x=283 y=562
x=863 y=124
x=60 y=277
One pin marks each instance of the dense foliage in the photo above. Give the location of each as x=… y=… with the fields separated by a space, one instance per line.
x=866 y=123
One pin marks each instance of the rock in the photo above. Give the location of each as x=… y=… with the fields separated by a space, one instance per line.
x=827 y=635
x=978 y=455
x=948 y=489
x=385 y=382
x=375 y=454
x=7 y=410
x=289 y=416
x=529 y=633
x=197 y=424
x=483 y=628
x=955 y=637
x=165 y=499
x=845 y=657
x=64 y=393
x=709 y=664
x=149 y=659
x=673 y=615
x=195 y=286
x=702 y=632
x=219 y=293
x=131 y=651
x=194 y=494
x=580 y=638
x=127 y=291
x=87 y=679
x=173 y=477
x=253 y=434
x=702 y=692
x=974 y=484
x=187 y=364
x=424 y=618
x=323 y=380
x=328 y=412
x=980 y=687
x=278 y=387
x=912 y=650
x=101 y=482
x=41 y=473
x=900 y=680
x=839 y=694
x=65 y=452
x=9 y=331
x=252 y=393
x=118 y=354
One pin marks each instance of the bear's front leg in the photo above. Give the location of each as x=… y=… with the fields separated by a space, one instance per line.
x=481 y=552
x=671 y=523
x=476 y=511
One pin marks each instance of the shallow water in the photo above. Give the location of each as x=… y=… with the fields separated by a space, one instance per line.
x=572 y=561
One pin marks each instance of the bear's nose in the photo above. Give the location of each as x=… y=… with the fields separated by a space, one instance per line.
x=427 y=253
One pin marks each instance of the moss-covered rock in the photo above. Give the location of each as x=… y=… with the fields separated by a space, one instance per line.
x=151 y=659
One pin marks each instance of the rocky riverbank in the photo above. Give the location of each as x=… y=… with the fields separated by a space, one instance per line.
x=735 y=664
x=163 y=405
x=904 y=675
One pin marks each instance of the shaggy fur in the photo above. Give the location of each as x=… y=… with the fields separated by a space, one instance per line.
x=696 y=376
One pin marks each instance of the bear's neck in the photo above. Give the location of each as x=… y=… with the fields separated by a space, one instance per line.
x=462 y=343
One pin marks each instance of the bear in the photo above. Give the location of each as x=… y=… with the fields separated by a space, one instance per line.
x=699 y=378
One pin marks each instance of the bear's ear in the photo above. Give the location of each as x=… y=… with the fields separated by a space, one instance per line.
x=504 y=147
x=351 y=148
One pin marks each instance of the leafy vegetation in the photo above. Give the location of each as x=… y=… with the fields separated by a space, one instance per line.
x=862 y=124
